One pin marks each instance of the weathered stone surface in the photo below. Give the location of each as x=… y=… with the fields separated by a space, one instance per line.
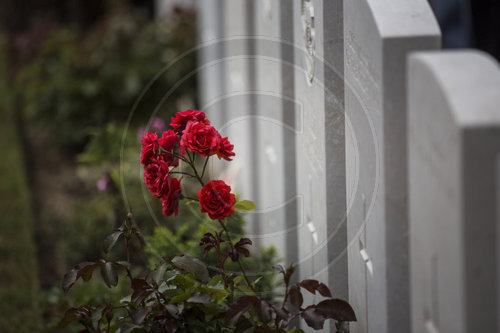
x=454 y=144
x=269 y=146
x=239 y=102
x=320 y=144
x=378 y=35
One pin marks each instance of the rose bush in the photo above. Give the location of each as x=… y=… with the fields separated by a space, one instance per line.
x=181 y=294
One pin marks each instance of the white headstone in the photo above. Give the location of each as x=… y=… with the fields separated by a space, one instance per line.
x=454 y=168
x=320 y=145
x=239 y=102
x=270 y=172
x=210 y=55
x=378 y=35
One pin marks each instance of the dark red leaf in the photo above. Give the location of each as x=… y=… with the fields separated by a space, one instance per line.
x=233 y=255
x=207 y=249
x=313 y=285
x=243 y=242
x=337 y=309
x=139 y=314
x=264 y=311
x=140 y=284
x=280 y=312
x=171 y=326
x=313 y=317
x=243 y=251
x=295 y=296
x=238 y=308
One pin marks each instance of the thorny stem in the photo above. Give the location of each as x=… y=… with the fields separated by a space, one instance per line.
x=238 y=260
x=221 y=259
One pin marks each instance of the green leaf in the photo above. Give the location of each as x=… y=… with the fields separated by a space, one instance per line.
x=180 y=298
x=193 y=266
x=69 y=279
x=256 y=281
x=237 y=280
x=158 y=273
x=69 y=317
x=109 y=274
x=245 y=205
x=110 y=241
x=201 y=298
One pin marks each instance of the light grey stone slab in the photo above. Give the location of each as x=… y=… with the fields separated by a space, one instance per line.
x=320 y=143
x=210 y=54
x=378 y=35
x=269 y=146
x=239 y=102
x=310 y=143
x=291 y=120
x=210 y=51
x=454 y=144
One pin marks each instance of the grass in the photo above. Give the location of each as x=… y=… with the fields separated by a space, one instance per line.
x=18 y=267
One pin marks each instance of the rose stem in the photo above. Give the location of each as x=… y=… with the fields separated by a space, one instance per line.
x=238 y=260
x=183 y=173
x=204 y=167
x=194 y=168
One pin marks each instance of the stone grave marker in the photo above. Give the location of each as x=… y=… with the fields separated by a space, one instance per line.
x=454 y=144
x=378 y=35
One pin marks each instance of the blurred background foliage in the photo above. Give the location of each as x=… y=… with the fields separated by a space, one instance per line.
x=80 y=82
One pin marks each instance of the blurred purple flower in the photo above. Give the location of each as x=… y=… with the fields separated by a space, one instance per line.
x=140 y=133
x=102 y=183
x=157 y=125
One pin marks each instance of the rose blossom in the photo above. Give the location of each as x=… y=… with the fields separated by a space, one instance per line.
x=170 y=198
x=181 y=119
x=156 y=177
x=225 y=149
x=149 y=147
x=200 y=138
x=168 y=142
x=217 y=200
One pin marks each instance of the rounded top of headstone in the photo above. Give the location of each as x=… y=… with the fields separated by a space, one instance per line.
x=404 y=18
x=469 y=80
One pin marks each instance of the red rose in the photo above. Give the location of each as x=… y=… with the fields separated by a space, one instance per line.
x=149 y=144
x=225 y=149
x=217 y=200
x=200 y=138
x=170 y=198
x=181 y=119
x=156 y=177
x=168 y=143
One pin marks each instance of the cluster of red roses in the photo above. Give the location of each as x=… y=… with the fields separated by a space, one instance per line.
x=192 y=133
